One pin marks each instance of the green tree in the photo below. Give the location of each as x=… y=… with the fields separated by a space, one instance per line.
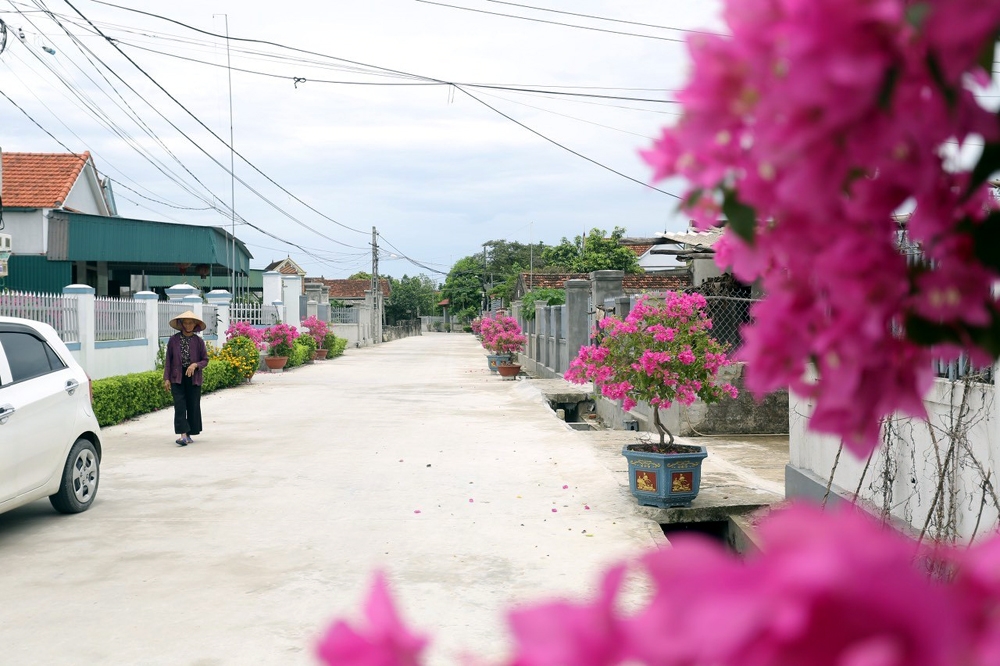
x=464 y=286
x=361 y=275
x=598 y=251
x=411 y=297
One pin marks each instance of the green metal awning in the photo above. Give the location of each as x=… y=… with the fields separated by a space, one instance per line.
x=144 y=246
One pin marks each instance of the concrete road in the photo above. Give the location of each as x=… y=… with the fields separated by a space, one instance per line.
x=408 y=457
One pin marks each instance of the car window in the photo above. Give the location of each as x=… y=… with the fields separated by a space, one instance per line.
x=28 y=356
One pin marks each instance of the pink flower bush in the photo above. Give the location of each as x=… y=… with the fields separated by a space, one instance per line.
x=317 y=329
x=280 y=339
x=243 y=329
x=477 y=325
x=502 y=335
x=828 y=588
x=659 y=354
x=808 y=127
x=385 y=641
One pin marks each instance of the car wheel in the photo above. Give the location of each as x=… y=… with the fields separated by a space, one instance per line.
x=79 y=479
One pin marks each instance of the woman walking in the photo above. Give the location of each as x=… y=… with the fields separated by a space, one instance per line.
x=186 y=356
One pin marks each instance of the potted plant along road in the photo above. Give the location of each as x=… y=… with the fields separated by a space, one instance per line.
x=499 y=338
x=509 y=341
x=317 y=329
x=659 y=354
x=280 y=339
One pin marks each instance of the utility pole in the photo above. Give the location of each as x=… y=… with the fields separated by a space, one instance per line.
x=376 y=291
x=486 y=304
x=232 y=161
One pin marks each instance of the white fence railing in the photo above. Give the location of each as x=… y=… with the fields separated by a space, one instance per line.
x=118 y=319
x=344 y=315
x=168 y=311
x=258 y=314
x=59 y=312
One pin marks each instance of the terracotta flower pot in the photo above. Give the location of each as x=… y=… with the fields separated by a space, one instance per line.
x=321 y=353
x=275 y=362
x=508 y=370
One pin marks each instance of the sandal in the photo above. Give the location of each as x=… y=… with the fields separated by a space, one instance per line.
x=181 y=442
x=188 y=440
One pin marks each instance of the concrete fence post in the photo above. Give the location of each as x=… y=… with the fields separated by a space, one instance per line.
x=178 y=292
x=272 y=287
x=577 y=331
x=222 y=300
x=151 y=302
x=84 y=297
x=604 y=285
x=291 y=289
x=623 y=305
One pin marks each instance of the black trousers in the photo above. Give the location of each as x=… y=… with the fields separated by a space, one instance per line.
x=187 y=407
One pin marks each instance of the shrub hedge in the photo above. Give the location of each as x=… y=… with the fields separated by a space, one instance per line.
x=126 y=396
x=336 y=347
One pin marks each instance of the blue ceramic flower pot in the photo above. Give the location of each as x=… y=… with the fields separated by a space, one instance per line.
x=495 y=359
x=664 y=479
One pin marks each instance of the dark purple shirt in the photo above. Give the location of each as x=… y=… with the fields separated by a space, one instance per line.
x=173 y=370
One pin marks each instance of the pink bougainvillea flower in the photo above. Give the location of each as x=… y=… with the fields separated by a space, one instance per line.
x=562 y=633
x=829 y=589
x=383 y=641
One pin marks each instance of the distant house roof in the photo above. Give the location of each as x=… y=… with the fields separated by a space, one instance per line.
x=40 y=180
x=286 y=267
x=445 y=303
x=352 y=289
x=699 y=239
x=643 y=282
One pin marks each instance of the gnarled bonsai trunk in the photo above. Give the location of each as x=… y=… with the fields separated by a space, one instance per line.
x=662 y=429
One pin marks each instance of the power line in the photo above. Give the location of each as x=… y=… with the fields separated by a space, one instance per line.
x=603 y=18
x=536 y=20
x=89 y=106
x=374 y=67
x=248 y=223
x=566 y=148
x=216 y=136
x=223 y=142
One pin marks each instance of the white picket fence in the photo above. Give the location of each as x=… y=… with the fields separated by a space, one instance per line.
x=259 y=314
x=59 y=312
x=118 y=319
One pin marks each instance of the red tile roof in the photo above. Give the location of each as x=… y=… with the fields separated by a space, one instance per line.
x=40 y=180
x=633 y=284
x=639 y=249
x=549 y=280
x=340 y=289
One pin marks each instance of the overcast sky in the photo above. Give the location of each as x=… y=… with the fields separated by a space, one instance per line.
x=436 y=171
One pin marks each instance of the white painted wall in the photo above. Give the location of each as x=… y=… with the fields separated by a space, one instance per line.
x=27 y=231
x=112 y=361
x=84 y=197
x=909 y=459
x=653 y=262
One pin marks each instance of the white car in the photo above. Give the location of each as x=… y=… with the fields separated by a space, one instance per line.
x=50 y=442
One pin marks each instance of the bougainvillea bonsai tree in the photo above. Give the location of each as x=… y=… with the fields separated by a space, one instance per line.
x=502 y=335
x=280 y=339
x=659 y=354
x=317 y=329
x=241 y=329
